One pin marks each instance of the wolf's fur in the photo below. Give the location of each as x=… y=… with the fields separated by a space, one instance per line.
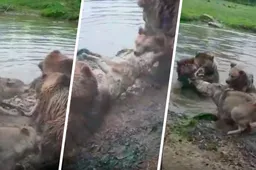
x=233 y=106
x=121 y=72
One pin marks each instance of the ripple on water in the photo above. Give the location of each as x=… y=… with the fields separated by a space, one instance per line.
x=108 y=26
x=227 y=45
x=27 y=40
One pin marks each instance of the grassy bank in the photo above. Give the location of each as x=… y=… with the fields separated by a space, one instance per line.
x=59 y=9
x=229 y=14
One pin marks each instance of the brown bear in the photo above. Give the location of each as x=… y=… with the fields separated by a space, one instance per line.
x=85 y=88
x=89 y=104
x=239 y=79
x=162 y=46
x=149 y=43
x=204 y=61
x=15 y=143
x=160 y=15
x=49 y=115
x=55 y=61
x=50 y=112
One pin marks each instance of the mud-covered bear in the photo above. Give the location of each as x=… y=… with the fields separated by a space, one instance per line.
x=160 y=15
x=203 y=61
x=162 y=46
x=149 y=43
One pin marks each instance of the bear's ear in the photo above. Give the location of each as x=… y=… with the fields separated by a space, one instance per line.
x=86 y=70
x=40 y=66
x=24 y=131
x=211 y=57
x=232 y=64
x=67 y=65
x=141 y=31
x=65 y=80
x=198 y=54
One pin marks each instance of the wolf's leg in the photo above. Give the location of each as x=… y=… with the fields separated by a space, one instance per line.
x=239 y=130
x=202 y=87
x=86 y=51
x=123 y=51
x=99 y=61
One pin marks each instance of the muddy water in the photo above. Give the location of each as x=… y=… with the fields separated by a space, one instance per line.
x=108 y=26
x=24 y=41
x=228 y=46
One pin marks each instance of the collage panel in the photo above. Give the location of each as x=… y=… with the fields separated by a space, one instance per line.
x=37 y=46
x=120 y=84
x=211 y=115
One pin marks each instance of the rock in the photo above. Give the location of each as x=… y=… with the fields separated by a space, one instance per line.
x=215 y=24
x=206 y=18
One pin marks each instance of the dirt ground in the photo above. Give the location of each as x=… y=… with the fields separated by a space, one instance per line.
x=131 y=136
x=203 y=146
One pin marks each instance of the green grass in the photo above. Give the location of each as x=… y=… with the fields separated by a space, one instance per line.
x=245 y=2
x=231 y=14
x=60 y=9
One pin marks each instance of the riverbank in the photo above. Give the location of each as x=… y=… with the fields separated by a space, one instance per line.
x=192 y=144
x=57 y=9
x=130 y=137
x=223 y=13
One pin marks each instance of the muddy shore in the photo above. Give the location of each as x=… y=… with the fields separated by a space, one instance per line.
x=131 y=135
x=202 y=144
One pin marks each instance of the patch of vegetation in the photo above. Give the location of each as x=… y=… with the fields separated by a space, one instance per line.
x=230 y=14
x=205 y=116
x=60 y=9
x=187 y=128
x=186 y=124
x=128 y=156
x=183 y=127
x=245 y=2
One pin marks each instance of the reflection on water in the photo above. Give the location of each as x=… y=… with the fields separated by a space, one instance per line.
x=24 y=41
x=228 y=47
x=108 y=25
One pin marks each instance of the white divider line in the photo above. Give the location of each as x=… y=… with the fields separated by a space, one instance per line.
x=71 y=86
x=169 y=89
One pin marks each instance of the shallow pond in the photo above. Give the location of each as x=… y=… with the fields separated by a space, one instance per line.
x=26 y=40
x=228 y=46
x=107 y=26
